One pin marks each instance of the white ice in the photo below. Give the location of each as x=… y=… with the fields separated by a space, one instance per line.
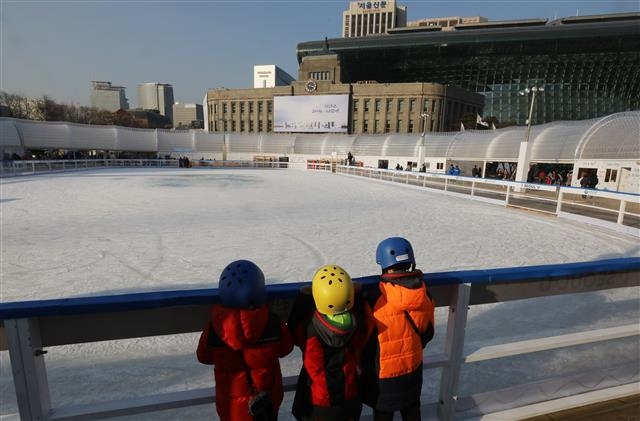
x=118 y=231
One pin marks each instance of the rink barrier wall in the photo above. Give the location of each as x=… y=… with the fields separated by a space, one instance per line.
x=618 y=211
x=29 y=327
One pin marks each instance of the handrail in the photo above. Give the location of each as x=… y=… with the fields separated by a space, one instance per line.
x=157 y=299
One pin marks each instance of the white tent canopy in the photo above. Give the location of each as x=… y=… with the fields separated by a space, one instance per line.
x=611 y=137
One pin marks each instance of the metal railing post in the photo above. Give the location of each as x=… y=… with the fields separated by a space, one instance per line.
x=454 y=347
x=559 y=204
x=623 y=206
x=29 y=371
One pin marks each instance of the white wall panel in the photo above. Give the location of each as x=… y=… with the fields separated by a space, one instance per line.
x=175 y=141
x=45 y=135
x=82 y=136
x=208 y=142
x=139 y=140
x=9 y=133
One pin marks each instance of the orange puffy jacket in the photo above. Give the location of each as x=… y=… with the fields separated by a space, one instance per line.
x=404 y=320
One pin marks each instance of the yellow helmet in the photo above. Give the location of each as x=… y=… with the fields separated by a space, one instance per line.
x=332 y=290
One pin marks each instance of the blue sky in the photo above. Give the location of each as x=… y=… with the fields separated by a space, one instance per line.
x=56 y=48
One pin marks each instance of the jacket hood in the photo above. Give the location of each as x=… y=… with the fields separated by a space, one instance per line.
x=400 y=296
x=239 y=327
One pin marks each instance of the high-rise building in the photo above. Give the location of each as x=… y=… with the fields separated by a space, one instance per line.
x=188 y=116
x=104 y=96
x=270 y=76
x=156 y=96
x=372 y=18
x=447 y=23
x=589 y=66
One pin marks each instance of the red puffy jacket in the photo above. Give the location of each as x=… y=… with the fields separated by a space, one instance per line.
x=327 y=386
x=258 y=336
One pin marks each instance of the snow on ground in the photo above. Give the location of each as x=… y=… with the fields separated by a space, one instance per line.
x=118 y=231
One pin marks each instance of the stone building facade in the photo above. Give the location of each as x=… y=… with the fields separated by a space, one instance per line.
x=373 y=107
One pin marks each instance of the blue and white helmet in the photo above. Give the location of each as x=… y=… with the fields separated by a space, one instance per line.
x=393 y=251
x=242 y=285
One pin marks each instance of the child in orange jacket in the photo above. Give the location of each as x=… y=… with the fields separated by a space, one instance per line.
x=404 y=318
x=243 y=341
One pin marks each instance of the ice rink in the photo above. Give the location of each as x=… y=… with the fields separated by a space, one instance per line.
x=119 y=231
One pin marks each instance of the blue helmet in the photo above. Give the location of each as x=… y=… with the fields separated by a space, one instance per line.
x=393 y=251
x=242 y=285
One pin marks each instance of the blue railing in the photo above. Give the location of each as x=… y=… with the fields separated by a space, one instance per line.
x=148 y=300
x=28 y=327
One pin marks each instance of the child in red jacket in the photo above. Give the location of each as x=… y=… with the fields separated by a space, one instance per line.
x=244 y=341
x=331 y=326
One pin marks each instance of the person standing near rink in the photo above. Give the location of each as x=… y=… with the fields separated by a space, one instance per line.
x=331 y=324
x=243 y=341
x=403 y=313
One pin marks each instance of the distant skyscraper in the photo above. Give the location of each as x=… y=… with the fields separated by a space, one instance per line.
x=104 y=96
x=372 y=18
x=270 y=76
x=188 y=116
x=156 y=96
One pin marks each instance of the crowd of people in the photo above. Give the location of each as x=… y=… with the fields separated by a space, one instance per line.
x=348 y=337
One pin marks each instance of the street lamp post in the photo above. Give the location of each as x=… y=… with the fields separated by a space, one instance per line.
x=423 y=118
x=223 y=123
x=524 y=157
x=533 y=92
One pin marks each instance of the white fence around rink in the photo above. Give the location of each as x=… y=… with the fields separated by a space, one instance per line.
x=28 y=328
x=613 y=210
x=34 y=167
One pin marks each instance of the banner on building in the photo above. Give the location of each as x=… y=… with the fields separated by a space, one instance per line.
x=311 y=113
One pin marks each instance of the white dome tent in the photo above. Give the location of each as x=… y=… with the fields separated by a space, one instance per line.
x=610 y=145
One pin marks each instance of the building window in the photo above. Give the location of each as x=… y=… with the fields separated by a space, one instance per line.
x=365 y=126
x=269 y=125
x=400 y=105
x=412 y=105
x=241 y=107
x=250 y=124
x=233 y=126
x=610 y=175
x=389 y=105
x=354 y=126
x=377 y=105
x=399 y=127
x=439 y=165
x=366 y=105
x=233 y=107
x=224 y=108
x=260 y=125
x=269 y=106
x=259 y=106
x=355 y=105
x=242 y=126
x=411 y=126
x=387 y=126
x=376 y=126
x=250 y=107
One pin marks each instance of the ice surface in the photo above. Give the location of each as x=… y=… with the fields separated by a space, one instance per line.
x=130 y=230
